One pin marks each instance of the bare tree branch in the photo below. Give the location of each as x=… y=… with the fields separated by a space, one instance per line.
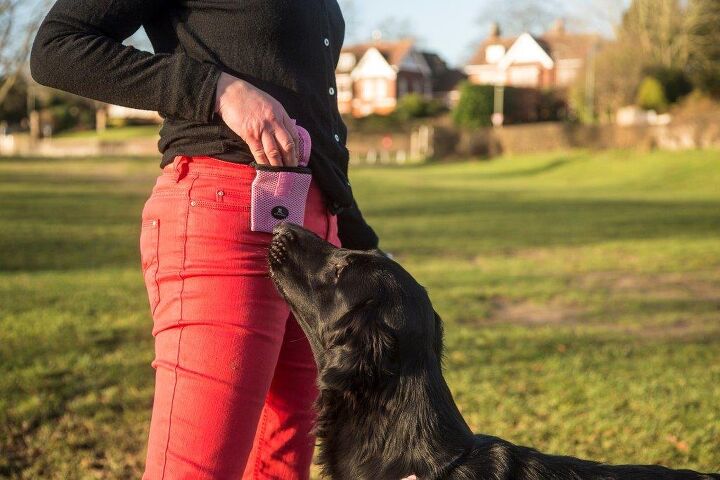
x=18 y=23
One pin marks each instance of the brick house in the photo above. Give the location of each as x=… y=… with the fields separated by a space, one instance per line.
x=372 y=77
x=552 y=60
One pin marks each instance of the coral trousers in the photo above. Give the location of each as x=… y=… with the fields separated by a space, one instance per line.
x=235 y=377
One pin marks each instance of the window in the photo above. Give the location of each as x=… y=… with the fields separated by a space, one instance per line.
x=368 y=89
x=402 y=86
x=526 y=76
x=493 y=53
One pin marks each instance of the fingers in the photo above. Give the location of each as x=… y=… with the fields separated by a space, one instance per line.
x=291 y=129
x=258 y=152
x=274 y=147
x=272 y=152
x=287 y=147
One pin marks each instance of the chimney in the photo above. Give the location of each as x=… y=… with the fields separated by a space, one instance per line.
x=558 y=27
x=494 y=30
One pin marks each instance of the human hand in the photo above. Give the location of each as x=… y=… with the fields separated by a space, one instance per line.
x=260 y=120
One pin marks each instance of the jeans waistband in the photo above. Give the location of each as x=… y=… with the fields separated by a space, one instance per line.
x=206 y=165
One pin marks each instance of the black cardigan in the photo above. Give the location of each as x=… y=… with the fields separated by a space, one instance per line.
x=288 y=48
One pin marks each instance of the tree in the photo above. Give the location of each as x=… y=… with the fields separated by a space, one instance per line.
x=703 y=25
x=393 y=28
x=618 y=73
x=535 y=16
x=657 y=29
x=651 y=40
x=19 y=21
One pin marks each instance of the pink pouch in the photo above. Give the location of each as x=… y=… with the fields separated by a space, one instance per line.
x=279 y=193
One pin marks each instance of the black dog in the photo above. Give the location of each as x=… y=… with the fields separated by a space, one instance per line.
x=384 y=409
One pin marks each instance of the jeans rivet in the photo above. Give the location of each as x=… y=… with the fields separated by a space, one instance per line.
x=193 y=203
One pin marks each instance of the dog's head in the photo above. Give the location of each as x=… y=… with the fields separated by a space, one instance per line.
x=366 y=317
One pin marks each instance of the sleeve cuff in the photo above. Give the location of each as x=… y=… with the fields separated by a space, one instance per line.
x=205 y=111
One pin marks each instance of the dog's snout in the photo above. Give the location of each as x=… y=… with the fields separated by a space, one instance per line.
x=284 y=228
x=283 y=236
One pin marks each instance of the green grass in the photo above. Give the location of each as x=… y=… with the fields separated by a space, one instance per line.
x=580 y=291
x=115 y=133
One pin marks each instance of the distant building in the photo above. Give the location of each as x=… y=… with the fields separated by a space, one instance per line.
x=126 y=113
x=552 y=60
x=372 y=77
x=445 y=80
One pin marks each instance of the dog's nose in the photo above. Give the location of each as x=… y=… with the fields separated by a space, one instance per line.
x=283 y=235
x=283 y=228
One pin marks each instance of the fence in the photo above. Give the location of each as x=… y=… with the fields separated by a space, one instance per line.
x=437 y=141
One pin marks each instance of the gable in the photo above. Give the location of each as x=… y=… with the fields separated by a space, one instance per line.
x=526 y=50
x=415 y=62
x=373 y=65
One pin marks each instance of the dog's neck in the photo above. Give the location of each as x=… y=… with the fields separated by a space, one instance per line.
x=410 y=425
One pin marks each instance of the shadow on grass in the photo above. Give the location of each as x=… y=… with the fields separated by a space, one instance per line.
x=101 y=228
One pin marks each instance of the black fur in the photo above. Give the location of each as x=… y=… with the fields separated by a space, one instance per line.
x=384 y=409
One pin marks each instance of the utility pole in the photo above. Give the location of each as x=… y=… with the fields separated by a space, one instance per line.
x=498 y=116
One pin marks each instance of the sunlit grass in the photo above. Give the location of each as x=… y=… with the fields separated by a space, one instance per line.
x=580 y=291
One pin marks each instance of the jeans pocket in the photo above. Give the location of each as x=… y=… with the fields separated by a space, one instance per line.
x=149 y=246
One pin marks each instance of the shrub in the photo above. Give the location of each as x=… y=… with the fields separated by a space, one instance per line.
x=673 y=80
x=651 y=95
x=414 y=105
x=475 y=106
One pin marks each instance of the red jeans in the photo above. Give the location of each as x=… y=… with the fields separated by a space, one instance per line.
x=235 y=377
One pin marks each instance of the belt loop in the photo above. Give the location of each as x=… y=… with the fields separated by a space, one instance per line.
x=181 y=167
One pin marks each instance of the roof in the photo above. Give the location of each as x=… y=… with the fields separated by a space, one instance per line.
x=478 y=57
x=559 y=45
x=444 y=79
x=393 y=51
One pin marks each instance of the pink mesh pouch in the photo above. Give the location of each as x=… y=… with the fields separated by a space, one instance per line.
x=279 y=193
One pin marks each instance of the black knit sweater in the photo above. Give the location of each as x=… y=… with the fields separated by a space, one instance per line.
x=288 y=48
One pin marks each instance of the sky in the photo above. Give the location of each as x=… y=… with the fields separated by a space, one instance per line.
x=453 y=28
x=449 y=27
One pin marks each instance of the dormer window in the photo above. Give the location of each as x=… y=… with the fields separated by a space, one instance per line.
x=494 y=53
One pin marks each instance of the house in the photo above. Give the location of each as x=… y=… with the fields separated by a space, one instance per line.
x=445 y=80
x=372 y=77
x=125 y=113
x=552 y=60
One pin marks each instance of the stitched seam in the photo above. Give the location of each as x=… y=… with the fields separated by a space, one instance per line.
x=156 y=300
x=177 y=357
x=261 y=443
x=242 y=207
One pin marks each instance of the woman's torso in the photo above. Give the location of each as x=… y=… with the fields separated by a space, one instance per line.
x=288 y=48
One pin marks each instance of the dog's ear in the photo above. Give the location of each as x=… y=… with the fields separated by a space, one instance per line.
x=362 y=350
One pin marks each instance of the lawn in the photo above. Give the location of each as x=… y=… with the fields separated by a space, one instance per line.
x=115 y=133
x=580 y=291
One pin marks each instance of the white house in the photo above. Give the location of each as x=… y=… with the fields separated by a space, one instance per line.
x=372 y=77
x=553 y=60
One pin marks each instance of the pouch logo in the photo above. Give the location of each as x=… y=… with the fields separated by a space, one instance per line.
x=280 y=212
